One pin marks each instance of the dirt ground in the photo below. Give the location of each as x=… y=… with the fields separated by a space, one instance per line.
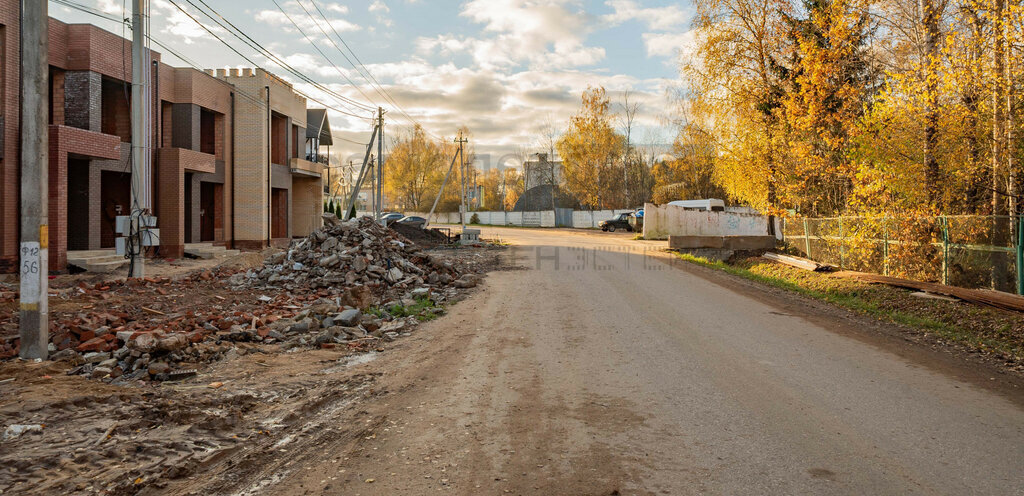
x=91 y=437
x=594 y=370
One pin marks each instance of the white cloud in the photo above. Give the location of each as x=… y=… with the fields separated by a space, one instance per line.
x=656 y=18
x=669 y=44
x=335 y=7
x=310 y=23
x=110 y=7
x=537 y=34
x=180 y=25
x=381 y=11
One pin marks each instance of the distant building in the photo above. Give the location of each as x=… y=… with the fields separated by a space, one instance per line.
x=539 y=171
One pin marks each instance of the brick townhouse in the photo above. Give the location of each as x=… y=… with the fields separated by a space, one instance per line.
x=209 y=151
x=280 y=192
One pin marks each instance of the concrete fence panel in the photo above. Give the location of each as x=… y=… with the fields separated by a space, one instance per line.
x=547 y=218
x=662 y=221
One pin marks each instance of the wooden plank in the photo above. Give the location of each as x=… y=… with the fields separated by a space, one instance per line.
x=986 y=297
x=800 y=263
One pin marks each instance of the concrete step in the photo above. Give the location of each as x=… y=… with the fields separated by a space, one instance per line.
x=96 y=260
x=209 y=251
x=82 y=261
x=103 y=267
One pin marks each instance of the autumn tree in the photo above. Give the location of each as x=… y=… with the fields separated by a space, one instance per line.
x=415 y=169
x=588 y=150
x=734 y=92
x=690 y=173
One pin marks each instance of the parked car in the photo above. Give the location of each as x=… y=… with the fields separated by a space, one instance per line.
x=392 y=218
x=620 y=221
x=414 y=221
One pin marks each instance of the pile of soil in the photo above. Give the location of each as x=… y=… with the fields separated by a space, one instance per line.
x=426 y=238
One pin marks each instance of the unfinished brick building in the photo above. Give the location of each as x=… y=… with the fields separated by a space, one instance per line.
x=230 y=154
x=90 y=136
x=280 y=193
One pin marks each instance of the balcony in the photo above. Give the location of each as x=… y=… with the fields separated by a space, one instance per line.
x=188 y=160
x=305 y=167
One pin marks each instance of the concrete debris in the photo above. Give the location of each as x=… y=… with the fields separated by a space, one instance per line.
x=16 y=430
x=326 y=291
x=355 y=252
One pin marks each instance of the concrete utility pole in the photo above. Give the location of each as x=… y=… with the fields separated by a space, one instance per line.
x=380 y=165
x=35 y=166
x=462 y=176
x=140 y=146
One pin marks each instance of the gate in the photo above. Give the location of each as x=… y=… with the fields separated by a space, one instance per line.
x=563 y=217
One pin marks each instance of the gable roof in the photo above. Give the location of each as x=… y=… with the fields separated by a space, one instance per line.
x=317 y=125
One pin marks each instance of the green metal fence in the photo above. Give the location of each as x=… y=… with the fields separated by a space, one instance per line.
x=959 y=250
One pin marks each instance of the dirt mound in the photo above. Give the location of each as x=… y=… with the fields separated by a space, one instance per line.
x=426 y=238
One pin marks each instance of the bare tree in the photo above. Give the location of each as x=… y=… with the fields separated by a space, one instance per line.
x=547 y=136
x=629 y=111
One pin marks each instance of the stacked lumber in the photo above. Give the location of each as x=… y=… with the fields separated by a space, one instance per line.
x=987 y=297
x=800 y=263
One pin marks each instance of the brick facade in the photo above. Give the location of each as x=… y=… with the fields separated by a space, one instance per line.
x=201 y=192
x=90 y=131
x=263 y=136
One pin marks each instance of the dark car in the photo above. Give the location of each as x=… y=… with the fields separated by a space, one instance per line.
x=414 y=221
x=620 y=221
x=392 y=218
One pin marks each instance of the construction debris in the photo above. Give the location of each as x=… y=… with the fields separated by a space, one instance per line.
x=351 y=284
x=800 y=263
x=995 y=299
x=358 y=251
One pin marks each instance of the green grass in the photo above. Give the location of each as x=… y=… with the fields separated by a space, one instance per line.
x=417 y=310
x=859 y=301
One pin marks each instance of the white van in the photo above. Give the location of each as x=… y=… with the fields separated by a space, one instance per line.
x=710 y=205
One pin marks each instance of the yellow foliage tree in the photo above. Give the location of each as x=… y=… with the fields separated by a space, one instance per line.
x=589 y=149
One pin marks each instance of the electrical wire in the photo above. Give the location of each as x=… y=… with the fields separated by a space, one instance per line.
x=365 y=73
x=317 y=48
x=88 y=10
x=255 y=45
x=247 y=59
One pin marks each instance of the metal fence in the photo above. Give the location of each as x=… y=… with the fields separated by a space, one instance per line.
x=959 y=250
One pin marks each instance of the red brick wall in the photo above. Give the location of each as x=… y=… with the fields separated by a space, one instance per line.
x=10 y=72
x=64 y=140
x=81 y=47
x=171 y=207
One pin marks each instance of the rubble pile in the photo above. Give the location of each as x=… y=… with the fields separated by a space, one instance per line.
x=351 y=284
x=355 y=252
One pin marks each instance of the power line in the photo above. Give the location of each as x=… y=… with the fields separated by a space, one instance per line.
x=255 y=45
x=379 y=88
x=315 y=47
x=253 y=99
x=240 y=54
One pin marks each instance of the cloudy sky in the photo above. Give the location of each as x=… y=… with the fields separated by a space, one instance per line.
x=502 y=67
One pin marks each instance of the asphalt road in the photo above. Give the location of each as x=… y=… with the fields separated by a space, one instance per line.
x=601 y=369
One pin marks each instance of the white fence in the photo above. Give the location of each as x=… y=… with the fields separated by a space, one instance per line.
x=662 y=221
x=581 y=219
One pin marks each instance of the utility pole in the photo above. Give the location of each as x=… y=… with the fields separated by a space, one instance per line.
x=35 y=166
x=380 y=165
x=139 y=192
x=462 y=176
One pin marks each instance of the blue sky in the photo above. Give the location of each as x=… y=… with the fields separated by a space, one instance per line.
x=502 y=67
